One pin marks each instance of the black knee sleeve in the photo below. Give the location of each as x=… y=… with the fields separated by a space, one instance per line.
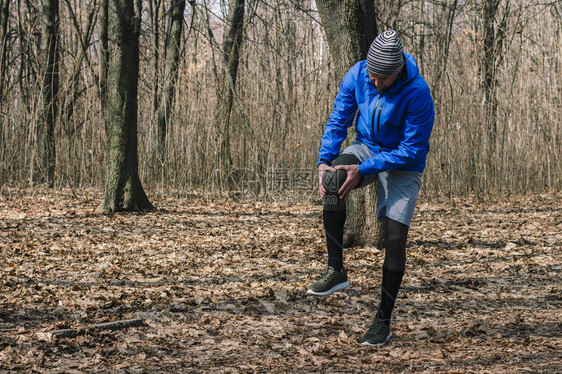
x=333 y=181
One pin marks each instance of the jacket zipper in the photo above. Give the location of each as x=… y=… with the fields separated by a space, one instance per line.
x=379 y=120
x=374 y=112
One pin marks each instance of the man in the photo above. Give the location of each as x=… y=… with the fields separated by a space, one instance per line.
x=394 y=122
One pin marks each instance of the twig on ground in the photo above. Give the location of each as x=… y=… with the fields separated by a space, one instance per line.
x=115 y=325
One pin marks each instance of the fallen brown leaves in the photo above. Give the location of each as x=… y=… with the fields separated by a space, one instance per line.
x=221 y=288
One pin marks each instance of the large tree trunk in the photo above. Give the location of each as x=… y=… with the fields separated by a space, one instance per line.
x=50 y=89
x=231 y=55
x=172 y=50
x=350 y=28
x=123 y=190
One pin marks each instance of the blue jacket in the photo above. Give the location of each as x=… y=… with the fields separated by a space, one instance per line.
x=395 y=125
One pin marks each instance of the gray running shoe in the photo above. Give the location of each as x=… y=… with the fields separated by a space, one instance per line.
x=329 y=283
x=378 y=334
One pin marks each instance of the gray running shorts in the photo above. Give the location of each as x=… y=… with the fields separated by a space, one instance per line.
x=397 y=191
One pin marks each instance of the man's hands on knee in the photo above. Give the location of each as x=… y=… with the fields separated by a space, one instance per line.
x=323 y=169
x=352 y=180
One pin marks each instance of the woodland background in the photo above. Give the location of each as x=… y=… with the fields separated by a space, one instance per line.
x=494 y=67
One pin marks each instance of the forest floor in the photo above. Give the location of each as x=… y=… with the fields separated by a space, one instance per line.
x=221 y=287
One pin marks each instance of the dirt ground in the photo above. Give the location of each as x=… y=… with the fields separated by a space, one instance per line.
x=221 y=287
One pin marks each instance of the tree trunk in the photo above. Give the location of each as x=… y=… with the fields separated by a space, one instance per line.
x=173 y=49
x=492 y=57
x=84 y=37
x=123 y=190
x=103 y=64
x=488 y=67
x=4 y=15
x=350 y=28
x=154 y=13
x=50 y=90
x=27 y=30
x=231 y=54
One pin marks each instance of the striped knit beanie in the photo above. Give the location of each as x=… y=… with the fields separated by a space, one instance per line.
x=385 y=55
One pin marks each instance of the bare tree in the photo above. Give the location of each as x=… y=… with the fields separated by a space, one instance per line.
x=154 y=7
x=172 y=49
x=84 y=37
x=350 y=28
x=123 y=189
x=50 y=90
x=103 y=55
x=494 y=75
x=4 y=15
x=29 y=44
x=232 y=43
x=493 y=37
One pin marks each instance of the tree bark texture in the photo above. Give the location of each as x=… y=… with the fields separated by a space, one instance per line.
x=232 y=43
x=172 y=50
x=123 y=189
x=350 y=28
x=50 y=91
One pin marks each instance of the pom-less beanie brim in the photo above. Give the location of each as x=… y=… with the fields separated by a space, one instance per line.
x=385 y=57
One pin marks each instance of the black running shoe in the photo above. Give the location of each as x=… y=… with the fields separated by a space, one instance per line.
x=378 y=334
x=329 y=283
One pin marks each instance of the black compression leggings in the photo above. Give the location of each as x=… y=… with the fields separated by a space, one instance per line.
x=395 y=236
x=395 y=233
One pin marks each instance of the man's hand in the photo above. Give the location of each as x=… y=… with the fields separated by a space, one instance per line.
x=352 y=180
x=322 y=169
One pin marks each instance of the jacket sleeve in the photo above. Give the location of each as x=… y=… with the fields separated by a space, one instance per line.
x=414 y=144
x=345 y=107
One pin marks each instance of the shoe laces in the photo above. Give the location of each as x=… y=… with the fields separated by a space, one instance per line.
x=329 y=274
x=378 y=326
